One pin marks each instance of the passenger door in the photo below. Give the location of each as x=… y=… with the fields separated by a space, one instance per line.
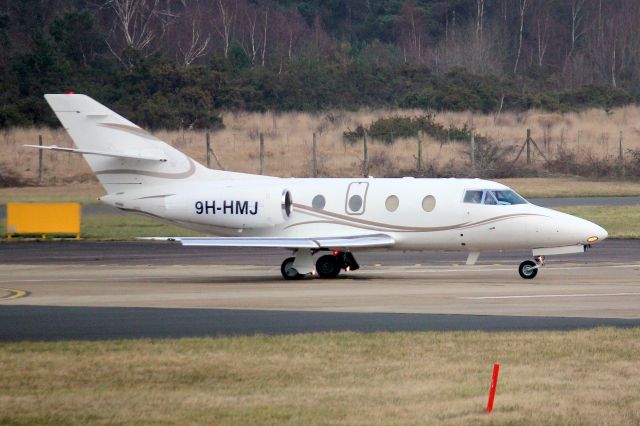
x=356 y=199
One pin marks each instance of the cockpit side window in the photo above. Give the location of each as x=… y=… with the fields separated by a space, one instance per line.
x=507 y=197
x=473 y=197
x=493 y=197
x=489 y=198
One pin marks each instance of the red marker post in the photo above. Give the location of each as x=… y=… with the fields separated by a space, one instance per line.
x=494 y=385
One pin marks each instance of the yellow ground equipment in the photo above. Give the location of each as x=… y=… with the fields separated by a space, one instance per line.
x=43 y=219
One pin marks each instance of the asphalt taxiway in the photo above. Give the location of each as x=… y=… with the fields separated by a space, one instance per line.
x=90 y=290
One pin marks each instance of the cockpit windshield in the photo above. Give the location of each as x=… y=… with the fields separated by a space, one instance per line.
x=503 y=197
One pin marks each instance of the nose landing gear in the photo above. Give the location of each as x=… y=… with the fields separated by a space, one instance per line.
x=529 y=269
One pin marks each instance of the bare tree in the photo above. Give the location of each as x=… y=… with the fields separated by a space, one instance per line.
x=227 y=10
x=577 y=30
x=251 y=17
x=541 y=21
x=463 y=49
x=264 y=39
x=410 y=26
x=195 y=46
x=479 y=19
x=139 y=23
x=522 y=8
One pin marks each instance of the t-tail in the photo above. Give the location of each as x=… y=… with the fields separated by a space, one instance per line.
x=123 y=156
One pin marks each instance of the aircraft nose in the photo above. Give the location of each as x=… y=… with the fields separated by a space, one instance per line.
x=598 y=233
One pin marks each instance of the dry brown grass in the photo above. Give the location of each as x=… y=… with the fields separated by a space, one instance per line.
x=288 y=141
x=568 y=187
x=580 y=377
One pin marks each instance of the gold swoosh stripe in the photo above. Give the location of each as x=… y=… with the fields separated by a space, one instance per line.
x=378 y=226
x=355 y=221
x=182 y=175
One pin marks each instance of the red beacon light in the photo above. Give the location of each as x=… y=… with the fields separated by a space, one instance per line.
x=70 y=93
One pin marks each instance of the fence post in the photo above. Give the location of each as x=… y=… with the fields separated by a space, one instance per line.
x=208 y=151
x=473 y=152
x=365 y=163
x=528 y=143
x=261 y=153
x=419 y=159
x=546 y=140
x=620 y=154
x=315 y=156
x=40 y=163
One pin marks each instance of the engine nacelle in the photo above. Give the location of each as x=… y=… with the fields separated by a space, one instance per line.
x=261 y=206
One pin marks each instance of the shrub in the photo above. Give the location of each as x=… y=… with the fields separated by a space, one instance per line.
x=388 y=129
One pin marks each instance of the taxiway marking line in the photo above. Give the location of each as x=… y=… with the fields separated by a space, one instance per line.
x=541 y=296
x=13 y=294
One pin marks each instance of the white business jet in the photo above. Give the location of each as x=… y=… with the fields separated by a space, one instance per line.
x=334 y=217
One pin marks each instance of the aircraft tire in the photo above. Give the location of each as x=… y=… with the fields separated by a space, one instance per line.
x=327 y=266
x=526 y=269
x=288 y=271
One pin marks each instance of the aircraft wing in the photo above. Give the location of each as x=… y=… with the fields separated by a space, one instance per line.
x=350 y=242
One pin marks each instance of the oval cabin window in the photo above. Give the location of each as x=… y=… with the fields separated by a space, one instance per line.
x=392 y=203
x=428 y=203
x=318 y=202
x=355 y=202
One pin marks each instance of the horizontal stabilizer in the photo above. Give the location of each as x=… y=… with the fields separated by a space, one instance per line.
x=358 y=241
x=135 y=156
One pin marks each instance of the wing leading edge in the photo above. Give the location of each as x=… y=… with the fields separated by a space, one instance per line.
x=356 y=241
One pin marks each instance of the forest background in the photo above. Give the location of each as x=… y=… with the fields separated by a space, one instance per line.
x=177 y=63
x=567 y=68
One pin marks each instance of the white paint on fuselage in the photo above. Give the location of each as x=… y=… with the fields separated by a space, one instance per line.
x=451 y=225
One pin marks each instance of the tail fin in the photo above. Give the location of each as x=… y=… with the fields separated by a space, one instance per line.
x=122 y=155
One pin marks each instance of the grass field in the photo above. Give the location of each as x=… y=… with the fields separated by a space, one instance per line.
x=121 y=227
x=579 y=377
x=619 y=221
x=571 y=187
x=83 y=193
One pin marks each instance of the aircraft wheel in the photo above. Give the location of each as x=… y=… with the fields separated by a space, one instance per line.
x=288 y=271
x=527 y=269
x=327 y=266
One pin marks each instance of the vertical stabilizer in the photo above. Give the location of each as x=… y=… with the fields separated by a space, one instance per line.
x=139 y=158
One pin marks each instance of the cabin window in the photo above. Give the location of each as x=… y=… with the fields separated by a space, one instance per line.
x=392 y=203
x=473 y=197
x=355 y=202
x=318 y=202
x=428 y=203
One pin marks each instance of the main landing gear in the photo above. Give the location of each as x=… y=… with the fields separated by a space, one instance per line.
x=529 y=268
x=327 y=266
